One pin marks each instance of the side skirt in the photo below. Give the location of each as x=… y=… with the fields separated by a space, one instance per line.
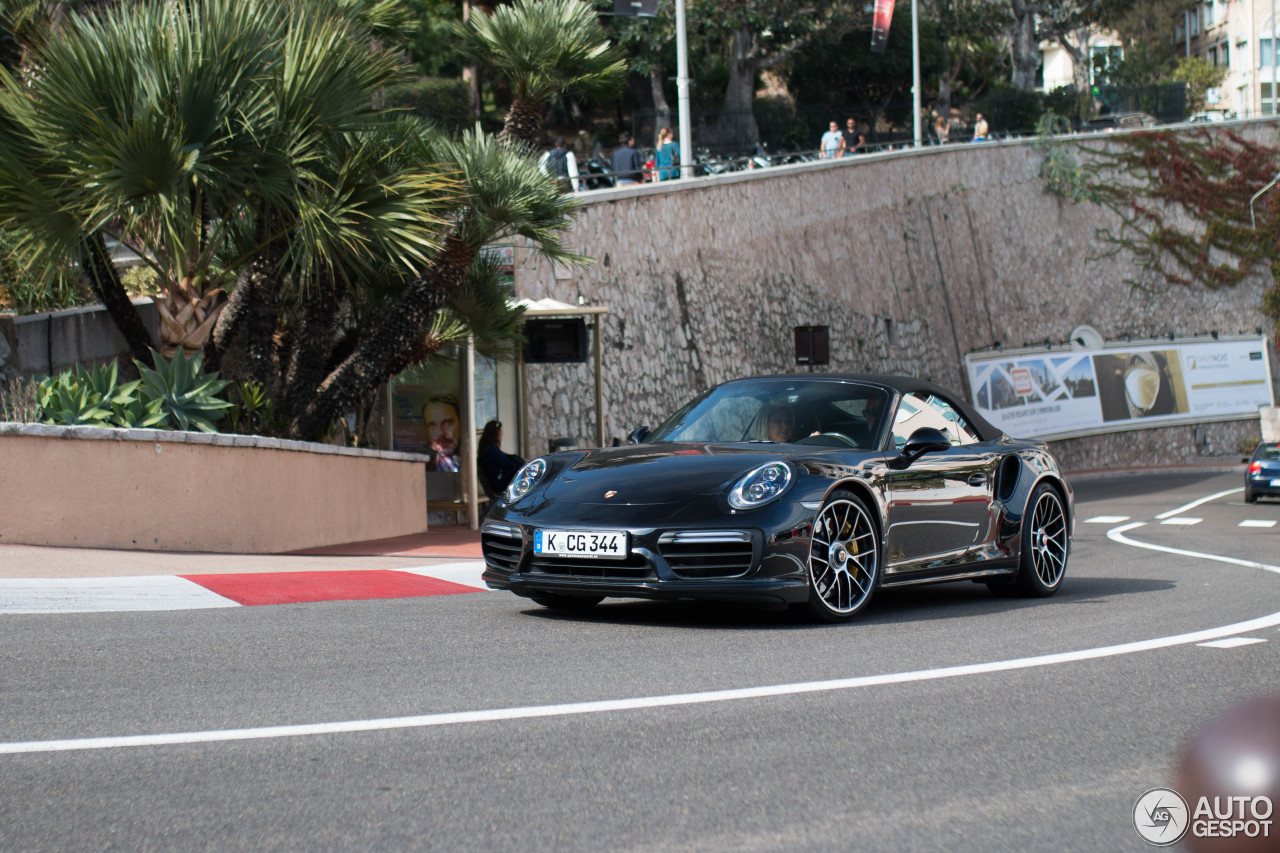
x=981 y=574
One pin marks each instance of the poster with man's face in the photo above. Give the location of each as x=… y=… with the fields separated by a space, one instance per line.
x=426 y=416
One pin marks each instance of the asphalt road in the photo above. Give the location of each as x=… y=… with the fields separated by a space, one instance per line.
x=1034 y=755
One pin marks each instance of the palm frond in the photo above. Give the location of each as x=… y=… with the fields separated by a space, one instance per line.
x=508 y=195
x=545 y=48
x=484 y=305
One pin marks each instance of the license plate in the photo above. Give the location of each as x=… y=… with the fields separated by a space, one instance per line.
x=1275 y=484
x=580 y=543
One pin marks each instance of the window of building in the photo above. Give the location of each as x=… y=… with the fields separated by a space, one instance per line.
x=1266 y=56
x=1208 y=15
x=1213 y=56
x=1102 y=62
x=1267 y=104
x=1194 y=22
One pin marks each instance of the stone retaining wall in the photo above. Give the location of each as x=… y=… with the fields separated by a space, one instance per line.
x=912 y=258
x=157 y=490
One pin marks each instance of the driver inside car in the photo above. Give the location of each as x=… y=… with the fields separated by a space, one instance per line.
x=780 y=424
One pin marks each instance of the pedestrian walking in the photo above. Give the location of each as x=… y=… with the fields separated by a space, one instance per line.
x=626 y=162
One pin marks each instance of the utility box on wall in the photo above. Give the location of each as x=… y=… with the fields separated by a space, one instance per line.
x=813 y=345
x=555 y=341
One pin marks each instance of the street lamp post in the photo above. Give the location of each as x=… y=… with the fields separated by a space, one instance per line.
x=682 y=94
x=915 y=73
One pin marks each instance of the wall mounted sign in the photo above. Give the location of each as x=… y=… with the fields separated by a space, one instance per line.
x=1063 y=393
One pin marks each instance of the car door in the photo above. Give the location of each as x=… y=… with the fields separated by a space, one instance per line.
x=940 y=506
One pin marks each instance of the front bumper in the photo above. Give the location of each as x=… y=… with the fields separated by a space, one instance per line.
x=764 y=565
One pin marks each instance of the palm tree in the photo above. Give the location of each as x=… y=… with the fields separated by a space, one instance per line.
x=178 y=129
x=545 y=48
x=236 y=143
x=506 y=195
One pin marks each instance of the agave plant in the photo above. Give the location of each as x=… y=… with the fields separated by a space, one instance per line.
x=95 y=397
x=185 y=396
x=70 y=399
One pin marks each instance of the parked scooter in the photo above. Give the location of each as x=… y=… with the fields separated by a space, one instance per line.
x=596 y=174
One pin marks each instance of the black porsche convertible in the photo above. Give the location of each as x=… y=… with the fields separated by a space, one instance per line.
x=813 y=490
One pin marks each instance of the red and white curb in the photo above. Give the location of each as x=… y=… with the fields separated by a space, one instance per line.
x=199 y=592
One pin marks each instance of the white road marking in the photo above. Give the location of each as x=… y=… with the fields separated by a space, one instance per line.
x=466 y=573
x=1106 y=519
x=1185 y=521
x=1231 y=642
x=1197 y=503
x=1256 y=522
x=102 y=595
x=640 y=702
x=1116 y=534
x=648 y=702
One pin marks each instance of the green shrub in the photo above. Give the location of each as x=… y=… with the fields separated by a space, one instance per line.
x=776 y=119
x=140 y=280
x=23 y=293
x=1011 y=110
x=445 y=102
x=251 y=412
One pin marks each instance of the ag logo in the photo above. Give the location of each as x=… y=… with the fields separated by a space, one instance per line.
x=1161 y=816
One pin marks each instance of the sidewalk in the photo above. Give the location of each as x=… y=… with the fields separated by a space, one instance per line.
x=437 y=546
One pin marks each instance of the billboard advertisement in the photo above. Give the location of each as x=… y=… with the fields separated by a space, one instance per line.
x=1057 y=394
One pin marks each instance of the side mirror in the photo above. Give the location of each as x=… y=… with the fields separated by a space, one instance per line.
x=926 y=440
x=638 y=435
x=922 y=441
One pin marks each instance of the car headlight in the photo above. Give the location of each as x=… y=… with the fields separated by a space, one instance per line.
x=525 y=479
x=759 y=487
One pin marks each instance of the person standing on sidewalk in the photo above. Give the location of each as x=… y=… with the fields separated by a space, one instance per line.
x=832 y=143
x=980 y=129
x=561 y=164
x=626 y=162
x=667 y=156
x=852 y=139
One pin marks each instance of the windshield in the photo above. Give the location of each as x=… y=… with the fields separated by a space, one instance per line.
x=1268 y=453
x=783 y=411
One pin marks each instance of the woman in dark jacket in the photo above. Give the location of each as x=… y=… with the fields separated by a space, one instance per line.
x=496 y=467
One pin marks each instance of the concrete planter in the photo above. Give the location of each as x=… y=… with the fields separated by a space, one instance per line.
x=174 y=491
x=32 y=344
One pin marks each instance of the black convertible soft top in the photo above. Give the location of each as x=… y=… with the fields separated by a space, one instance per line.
x=900 y=385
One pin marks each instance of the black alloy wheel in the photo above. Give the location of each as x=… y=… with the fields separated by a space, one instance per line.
x=1045 y=544
x=844 y=558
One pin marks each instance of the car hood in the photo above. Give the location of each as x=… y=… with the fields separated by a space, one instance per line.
x=662 y=473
